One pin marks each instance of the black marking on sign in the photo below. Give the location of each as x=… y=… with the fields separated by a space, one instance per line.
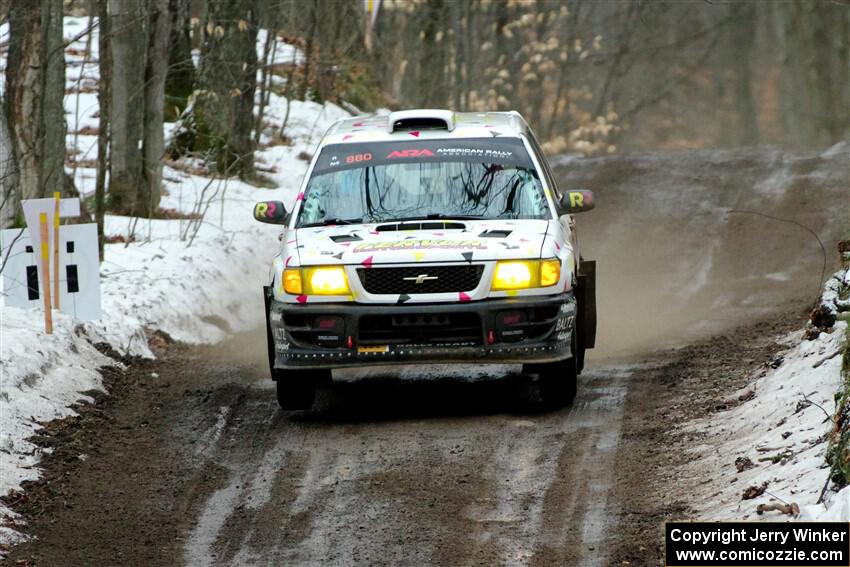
x=71 y=277
x=32 y=282
x=69 y=247
x=28 y=249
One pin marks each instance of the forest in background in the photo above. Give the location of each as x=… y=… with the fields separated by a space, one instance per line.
x=591 y=77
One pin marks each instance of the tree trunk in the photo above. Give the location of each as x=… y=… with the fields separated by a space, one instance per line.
x=9 y=197
x=103 y=98
x=265 y=76
x=154 y=141
x=224 y=108
x=180 y=79
x=127 y=51
x=431 y=66
x=139 y=64
x=744 y=29
x=35 y=90
x=309 y=51
x=53 y=160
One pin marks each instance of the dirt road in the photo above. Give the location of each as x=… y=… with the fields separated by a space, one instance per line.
x=188 y=460
x=197 y=466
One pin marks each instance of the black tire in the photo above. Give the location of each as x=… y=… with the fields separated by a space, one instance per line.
x=296 y=390
x=580 y=352
x=558 y=381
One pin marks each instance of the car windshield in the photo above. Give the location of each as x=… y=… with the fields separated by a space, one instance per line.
x=423 y=182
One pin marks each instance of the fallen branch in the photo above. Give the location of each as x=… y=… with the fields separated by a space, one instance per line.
x=824 y=359
x=823 y=491
x=810 y=402
x=790 y=509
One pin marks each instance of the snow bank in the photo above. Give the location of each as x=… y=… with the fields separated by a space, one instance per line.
x=837 y=511
x=778 y=437
x=197 y=289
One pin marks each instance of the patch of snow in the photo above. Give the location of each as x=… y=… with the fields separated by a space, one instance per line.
x=786 y=419
x=837 y=511
x=283 y=54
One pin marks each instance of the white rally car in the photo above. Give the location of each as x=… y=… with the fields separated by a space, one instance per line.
x=428 y=236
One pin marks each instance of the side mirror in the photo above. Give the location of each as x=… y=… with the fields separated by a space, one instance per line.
x=573 y=202
x=271 y=212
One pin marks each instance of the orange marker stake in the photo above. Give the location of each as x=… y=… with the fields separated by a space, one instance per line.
x=45 y=270
x=56 y=251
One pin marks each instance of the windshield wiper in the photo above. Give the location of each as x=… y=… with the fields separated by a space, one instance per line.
x=434 y=216
x=328 y=222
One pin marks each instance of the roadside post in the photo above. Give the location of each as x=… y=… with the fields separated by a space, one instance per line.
x=56 y=251
x=45 y=270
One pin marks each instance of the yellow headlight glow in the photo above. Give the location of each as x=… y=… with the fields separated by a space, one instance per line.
x=515 y=274
x=550 y=272
x=326 y=280
x=292 y=281
x=524 y=274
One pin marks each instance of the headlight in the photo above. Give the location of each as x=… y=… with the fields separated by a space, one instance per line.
x=326 y=280
x=318 y=280
x=524 y=274
x=515 y=274
x=550 y=272
x=292 y=281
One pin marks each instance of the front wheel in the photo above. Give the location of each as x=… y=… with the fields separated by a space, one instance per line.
x=296 y=390
x=558 y=381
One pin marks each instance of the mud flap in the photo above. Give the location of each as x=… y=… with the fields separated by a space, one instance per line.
x=267 y=297
x=586 y=299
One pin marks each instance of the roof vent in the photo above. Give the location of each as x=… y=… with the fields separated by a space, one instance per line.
x=425 y=119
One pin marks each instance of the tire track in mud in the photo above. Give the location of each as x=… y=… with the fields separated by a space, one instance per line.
x=494 y=489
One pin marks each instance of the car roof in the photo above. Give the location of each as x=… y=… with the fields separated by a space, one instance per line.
x=428 y=124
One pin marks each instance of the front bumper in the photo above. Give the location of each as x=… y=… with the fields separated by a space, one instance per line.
x=520 y=330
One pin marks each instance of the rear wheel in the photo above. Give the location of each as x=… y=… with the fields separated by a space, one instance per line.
x=296 y=389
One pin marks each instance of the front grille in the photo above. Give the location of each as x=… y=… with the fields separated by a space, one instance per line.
x=447 y=279
x=420 y=329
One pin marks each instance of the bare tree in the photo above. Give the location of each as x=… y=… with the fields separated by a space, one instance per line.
x=159 y=24
x=35 y=89
x=138 y=40
x=103 y=97
x=223 y=111
x=180 y=79
x=128 y=40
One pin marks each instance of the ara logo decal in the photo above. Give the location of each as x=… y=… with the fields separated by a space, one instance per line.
x=410 y=154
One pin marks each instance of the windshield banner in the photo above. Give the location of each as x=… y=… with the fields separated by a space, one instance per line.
x=502 y=151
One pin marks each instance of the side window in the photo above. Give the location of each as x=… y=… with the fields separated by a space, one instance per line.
x=541 y=157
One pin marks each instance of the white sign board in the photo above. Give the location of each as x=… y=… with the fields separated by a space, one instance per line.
x=33 y=209
x=79 y=270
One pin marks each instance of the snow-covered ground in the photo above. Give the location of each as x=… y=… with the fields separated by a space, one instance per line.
x=164 y=280
x=783 y=430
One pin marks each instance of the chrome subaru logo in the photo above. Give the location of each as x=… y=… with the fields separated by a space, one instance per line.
x=420 y=279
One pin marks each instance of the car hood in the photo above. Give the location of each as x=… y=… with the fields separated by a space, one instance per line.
x=430 y=241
